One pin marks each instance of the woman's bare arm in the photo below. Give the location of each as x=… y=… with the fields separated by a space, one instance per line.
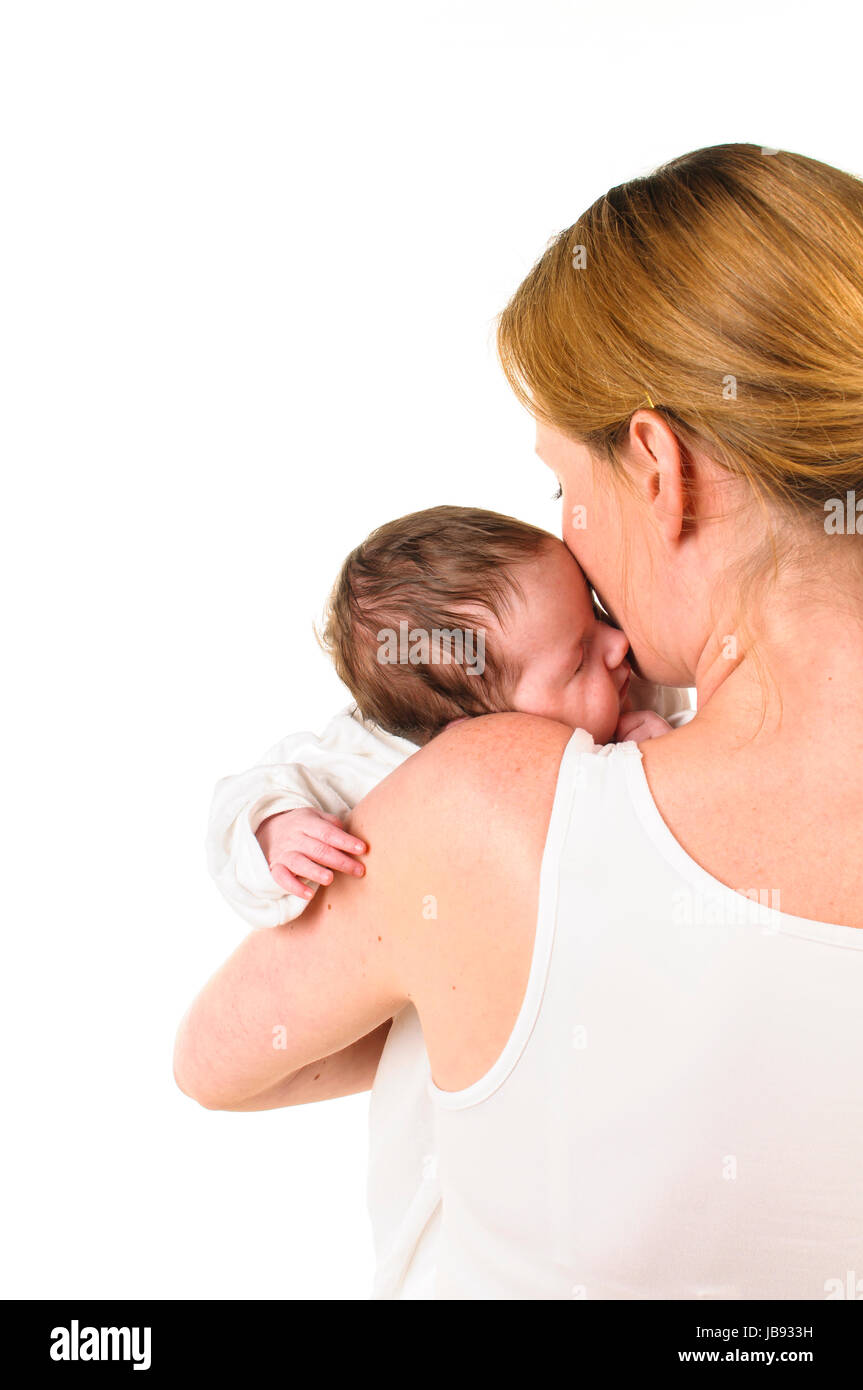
x=344 y=1073
x=365 y=947
x=313 y=988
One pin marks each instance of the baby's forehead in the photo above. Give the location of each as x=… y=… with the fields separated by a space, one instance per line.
x=559 y=551
x=564 y=549
x=553 y=587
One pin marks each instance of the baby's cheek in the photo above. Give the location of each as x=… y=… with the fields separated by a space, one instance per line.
x=610 y=714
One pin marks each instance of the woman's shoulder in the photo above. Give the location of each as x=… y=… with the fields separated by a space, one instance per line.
x=509 y=757
x=481 y=793
x=462 y=827
x=467 y=814
x=483 y=741
x=487 y=784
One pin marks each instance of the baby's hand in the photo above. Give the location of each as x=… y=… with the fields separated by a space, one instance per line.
x=640 y=724
x=309 y=843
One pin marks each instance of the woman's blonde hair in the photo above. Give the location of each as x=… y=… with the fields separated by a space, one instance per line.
x=726 y=291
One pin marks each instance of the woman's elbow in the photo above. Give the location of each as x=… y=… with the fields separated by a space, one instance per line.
x=193 y=1077
x=191 y=1086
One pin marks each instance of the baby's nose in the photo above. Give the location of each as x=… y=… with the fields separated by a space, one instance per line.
x=618 y=646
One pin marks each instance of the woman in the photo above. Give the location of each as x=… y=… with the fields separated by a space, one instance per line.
x=639 y=974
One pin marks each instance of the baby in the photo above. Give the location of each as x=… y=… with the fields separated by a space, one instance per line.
x=441 y=615
x=453 y=612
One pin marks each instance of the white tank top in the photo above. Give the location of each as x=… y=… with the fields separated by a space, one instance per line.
x=402 y=1188
x=678 y=1112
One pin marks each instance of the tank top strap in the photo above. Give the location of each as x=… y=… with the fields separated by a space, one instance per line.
x=591 y=788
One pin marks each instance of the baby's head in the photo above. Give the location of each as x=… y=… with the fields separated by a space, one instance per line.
x=456 y=611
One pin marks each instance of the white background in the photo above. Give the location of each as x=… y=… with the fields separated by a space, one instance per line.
x=251 y=258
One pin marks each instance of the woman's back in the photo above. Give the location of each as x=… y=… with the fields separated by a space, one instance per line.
x=677 y=1111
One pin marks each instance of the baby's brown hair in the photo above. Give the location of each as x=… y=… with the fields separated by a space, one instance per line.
x=434 y=570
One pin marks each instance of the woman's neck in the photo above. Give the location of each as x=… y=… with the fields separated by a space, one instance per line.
x=804 y=666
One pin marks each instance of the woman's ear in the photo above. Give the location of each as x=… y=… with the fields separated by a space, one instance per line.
x=659 y=461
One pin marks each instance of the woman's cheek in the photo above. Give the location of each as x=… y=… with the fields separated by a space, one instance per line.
x=574 y=541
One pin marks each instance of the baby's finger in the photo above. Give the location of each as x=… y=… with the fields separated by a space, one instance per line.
x=339 y=838
x=327 y=854
x=306 y=866
x=285 y=879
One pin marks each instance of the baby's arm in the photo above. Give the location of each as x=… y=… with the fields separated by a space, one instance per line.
x=323 y=775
